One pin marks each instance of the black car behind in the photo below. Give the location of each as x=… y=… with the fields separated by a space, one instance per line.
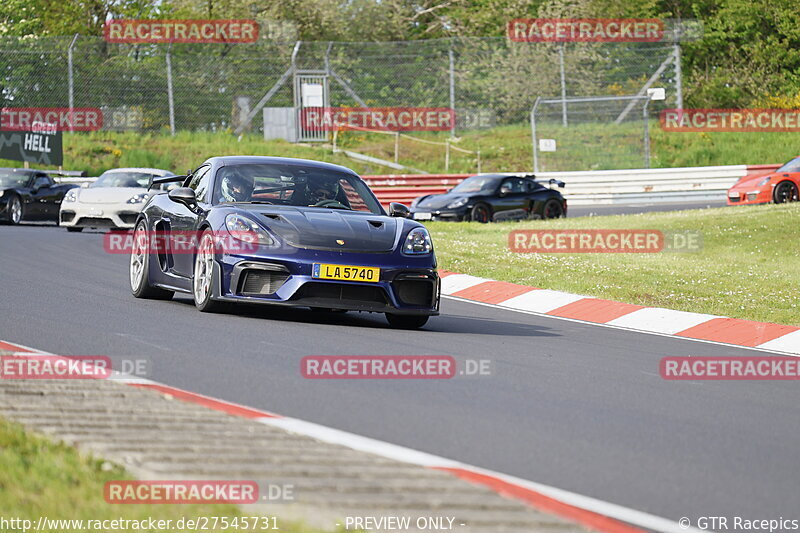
x=492 y=198
x=29 y=195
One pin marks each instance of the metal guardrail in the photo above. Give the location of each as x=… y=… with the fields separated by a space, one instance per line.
x=593 y=187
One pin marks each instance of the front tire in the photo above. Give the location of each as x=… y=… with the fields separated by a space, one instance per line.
x=139 y=268
x=785 y=191
x=552 y=209
x=15 y=210
x=481 y=213
x=406 y=321
x=203 y=275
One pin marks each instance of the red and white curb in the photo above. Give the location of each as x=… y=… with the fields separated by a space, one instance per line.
x=594 y=514
x=695 y=326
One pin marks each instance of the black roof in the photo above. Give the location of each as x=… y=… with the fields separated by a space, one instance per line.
x=504 y=175
x=230 y=160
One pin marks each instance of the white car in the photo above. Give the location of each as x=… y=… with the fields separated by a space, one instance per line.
x=113 y=201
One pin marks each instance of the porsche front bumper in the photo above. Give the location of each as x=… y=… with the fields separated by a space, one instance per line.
x=411 y=287
x=107 y=215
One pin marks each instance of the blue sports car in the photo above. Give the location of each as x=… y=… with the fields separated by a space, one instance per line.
x=286 y=232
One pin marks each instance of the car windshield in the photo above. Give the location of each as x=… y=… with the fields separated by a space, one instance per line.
x=791 y=166
x=298 y=185
x=13 y=179
x=476 y=184
x=123 y=179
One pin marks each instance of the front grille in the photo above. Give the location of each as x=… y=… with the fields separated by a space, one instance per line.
x=414 y=292
x=97 y=222
x=128 y=218
x=734 y=198
x=262 y=281
x=341 y=292
x=67 y=216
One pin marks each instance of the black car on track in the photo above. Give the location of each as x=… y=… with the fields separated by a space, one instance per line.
x=493 y=198
x=30 y=195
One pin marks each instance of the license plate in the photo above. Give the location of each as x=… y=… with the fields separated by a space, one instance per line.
x=422 y=216
x=346 y=272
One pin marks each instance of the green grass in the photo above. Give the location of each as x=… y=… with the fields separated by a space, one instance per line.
x=582 y=147
x=96 y=152
x=505 y=148
x=41 y=478
x=749 y=266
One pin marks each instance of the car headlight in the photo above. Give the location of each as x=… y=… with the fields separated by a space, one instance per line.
x=246 y=230
x=457 y=203
x=139 y=198
x=71 y=196
x=764 y=181
x=418 y=242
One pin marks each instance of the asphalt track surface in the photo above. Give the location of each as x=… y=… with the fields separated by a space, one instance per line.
x=576 y=406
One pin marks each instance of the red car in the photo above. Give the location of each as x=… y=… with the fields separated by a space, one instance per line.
x=779 y=186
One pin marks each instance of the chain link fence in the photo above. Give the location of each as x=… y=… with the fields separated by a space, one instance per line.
x=591 y=133
x=489 y=81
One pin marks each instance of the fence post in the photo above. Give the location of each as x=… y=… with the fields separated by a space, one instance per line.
x=646 y=134
x=563 y=85
x=678 y=77
x=533 y=135
x=447 y=154
x=452 y=90
x=70 y=82
x=479 y=161
x=397 y=147
x=170 y=96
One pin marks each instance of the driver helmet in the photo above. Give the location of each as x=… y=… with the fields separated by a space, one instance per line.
x=321 y=189
x=237 y=187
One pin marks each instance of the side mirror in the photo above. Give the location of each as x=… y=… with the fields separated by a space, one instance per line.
x=183 y=195
x=399 y=210
x=503 y=191
x=40 y=183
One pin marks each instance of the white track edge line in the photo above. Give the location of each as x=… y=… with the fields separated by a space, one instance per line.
x=424 y=459
x=545 y=315
x=416 y=457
